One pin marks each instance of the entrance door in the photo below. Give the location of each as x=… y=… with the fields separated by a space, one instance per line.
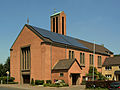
x=118 y=77
x=26 y=79
x=75 y=78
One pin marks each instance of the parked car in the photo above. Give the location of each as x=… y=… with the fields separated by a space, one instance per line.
x=114 y=86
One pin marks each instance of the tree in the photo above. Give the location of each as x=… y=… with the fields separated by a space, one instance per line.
x=6 y=66
x=96 y=73
x=91 y=70
x=101 y=77
x=116 y=55
x=1 y=70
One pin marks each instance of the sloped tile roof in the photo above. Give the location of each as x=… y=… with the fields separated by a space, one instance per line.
x=98 y=48
x=112 y=61
x=65 y=64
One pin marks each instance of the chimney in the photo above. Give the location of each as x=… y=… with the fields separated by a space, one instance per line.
x=58 y=23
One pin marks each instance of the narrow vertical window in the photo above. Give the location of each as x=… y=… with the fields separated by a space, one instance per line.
x=22 y=59
x=80 y=58
x=90 y=59
x=63 y=25
x=69 y=54
x=25 y=59
x=72 y=54
x=53 y=24
x=56 y=24
x=83 y=58
x=99 y=61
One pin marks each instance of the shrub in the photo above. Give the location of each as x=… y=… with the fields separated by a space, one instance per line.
x=83 y=83
x=4 y=79
x=63 y=81
x=46 y=85
x=56 y=85
x=39 y=82
x=11 y=79
x=12 y=82
x=48 y=81
x=98 y=84
x=32 y=82
x=64 y=84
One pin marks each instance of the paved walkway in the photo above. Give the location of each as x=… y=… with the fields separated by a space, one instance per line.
x=29 y=87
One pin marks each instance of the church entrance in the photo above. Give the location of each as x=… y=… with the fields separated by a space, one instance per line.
x=119 y=77
x=26 y=79
x=75 y=79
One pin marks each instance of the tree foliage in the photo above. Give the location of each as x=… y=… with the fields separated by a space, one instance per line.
x=5 y=67
x=96 y=73
x=116 y=55
x=1 y=70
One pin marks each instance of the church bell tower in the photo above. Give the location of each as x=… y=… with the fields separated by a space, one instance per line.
x=58 y=23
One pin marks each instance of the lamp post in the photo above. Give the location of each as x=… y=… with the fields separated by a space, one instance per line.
x=93 y=58
x=7 y=76
x=93 y=61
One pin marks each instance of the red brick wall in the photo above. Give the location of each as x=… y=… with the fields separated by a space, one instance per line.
x=87 y=63
x=57 y=54
x=26 y=38
x=41 y=57
x=57 y=76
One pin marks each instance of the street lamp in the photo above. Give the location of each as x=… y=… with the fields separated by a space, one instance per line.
x=93 y=61
x=7 y=76
x=93 y=58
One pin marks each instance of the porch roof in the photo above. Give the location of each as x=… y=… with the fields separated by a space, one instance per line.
x=65 y=64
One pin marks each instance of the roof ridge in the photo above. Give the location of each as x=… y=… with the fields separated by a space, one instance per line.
x=56 y=13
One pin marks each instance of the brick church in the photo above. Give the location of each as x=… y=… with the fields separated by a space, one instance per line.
x=52 y=55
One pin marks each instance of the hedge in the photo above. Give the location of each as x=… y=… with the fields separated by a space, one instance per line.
x=48 y=81
x=39 y=82
x=55 y=85
x=98 y=84
x=12 y=82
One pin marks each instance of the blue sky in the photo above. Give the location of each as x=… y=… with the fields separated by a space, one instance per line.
x=88 y=20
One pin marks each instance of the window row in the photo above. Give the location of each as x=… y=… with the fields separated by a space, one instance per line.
x=108 y=75
x=82 y=58
x=108 y=68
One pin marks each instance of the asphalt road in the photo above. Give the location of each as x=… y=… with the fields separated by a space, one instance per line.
x=10 y=88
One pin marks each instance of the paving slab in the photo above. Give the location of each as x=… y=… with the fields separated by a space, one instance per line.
x=40 y=87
